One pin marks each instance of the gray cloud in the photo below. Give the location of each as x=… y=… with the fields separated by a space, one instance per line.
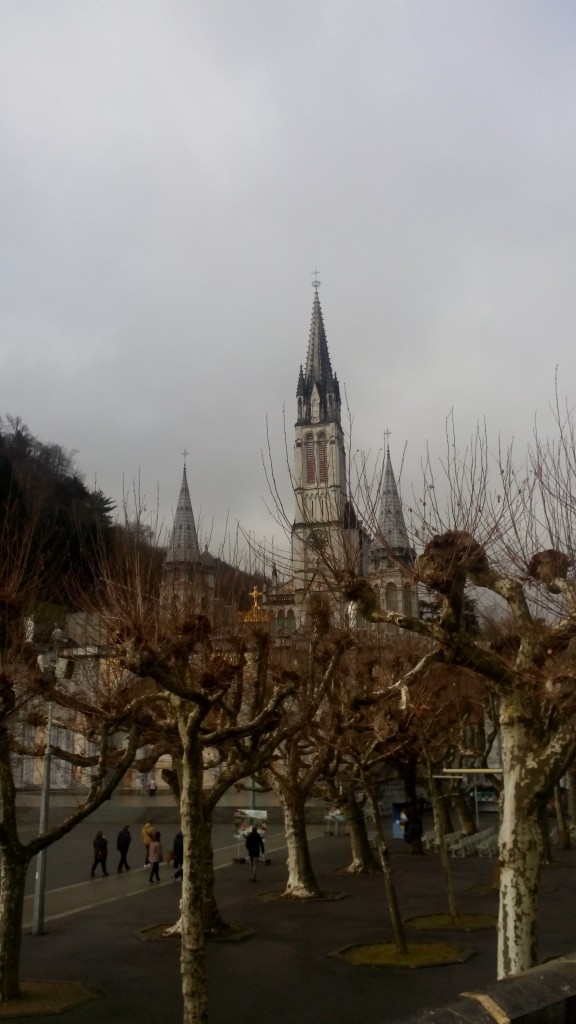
x=173 y=172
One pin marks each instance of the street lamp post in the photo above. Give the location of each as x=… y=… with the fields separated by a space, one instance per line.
x=40 y=880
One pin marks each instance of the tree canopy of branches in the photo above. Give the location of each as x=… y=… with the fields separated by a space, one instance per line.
x=224 y=693
x=515 y=542
x=101 y=714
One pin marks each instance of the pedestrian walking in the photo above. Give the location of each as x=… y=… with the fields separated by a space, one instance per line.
x=147 y=835
x=155 y=857
x=123 y=841
x=100 y=845
x=255 y=846
x=178 y=850
x=413 y=829
x=153 y=787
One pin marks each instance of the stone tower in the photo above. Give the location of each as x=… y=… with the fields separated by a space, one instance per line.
x=325 y=533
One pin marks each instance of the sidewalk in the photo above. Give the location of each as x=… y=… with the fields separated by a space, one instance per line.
x=283 y=973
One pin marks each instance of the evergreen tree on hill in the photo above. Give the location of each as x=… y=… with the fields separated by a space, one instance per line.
x=40 y=485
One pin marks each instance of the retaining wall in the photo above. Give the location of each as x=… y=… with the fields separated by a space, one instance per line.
x=543 y=995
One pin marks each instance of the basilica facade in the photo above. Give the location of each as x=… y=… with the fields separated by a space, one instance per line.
x=327 y=539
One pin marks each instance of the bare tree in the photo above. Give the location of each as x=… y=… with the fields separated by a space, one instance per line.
x=103 y=727
x=222 y=693
x=100 y=718
x=514 y=542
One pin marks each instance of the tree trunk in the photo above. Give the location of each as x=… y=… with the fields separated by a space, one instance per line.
x=302 y=882
x=395 y=918
x=443 y=811
x=407 y=772
x=192 y=962
x=444 y=861
x=520 y=841
x=464 y=811
x=571 y=777
x=561 y=820
x=13 y=870
x=544 y=823
x=213 y=920
x=363 y=860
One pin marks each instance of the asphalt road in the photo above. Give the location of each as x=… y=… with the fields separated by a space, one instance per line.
x=285 y=971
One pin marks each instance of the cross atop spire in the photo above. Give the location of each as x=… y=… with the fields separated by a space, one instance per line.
x=316 y=281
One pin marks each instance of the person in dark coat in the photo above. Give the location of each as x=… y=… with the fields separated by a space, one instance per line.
x=413 y=829
x=255 y=846
x=123 y=841
x=178 y=850
x=100 y=845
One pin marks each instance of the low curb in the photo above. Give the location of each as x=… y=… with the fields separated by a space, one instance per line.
x=47 y=998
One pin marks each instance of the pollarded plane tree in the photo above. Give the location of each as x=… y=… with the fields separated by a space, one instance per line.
x=293 y=774
x=458 y=730
x=26 y=697
x=259 y=752
x=194 y=681
x=222 y=694
x=308 y=746
x=237 y=739
x=440 y=718
x=344 y=791
x=386 y=726
x=104 y=743
x=515 y=544
x=364 y=686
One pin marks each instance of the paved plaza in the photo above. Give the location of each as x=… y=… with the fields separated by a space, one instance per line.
x=284 y=972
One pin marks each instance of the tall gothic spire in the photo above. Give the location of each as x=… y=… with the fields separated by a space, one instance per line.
x=183 y=547
x=317 y=375
x=318 y=367
x=392 y=533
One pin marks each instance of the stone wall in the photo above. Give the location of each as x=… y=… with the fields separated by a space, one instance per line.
x=544 y=995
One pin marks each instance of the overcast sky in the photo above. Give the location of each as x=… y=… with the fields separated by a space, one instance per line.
x=173 y=171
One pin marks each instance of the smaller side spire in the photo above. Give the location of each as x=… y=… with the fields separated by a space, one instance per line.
x=392 y=536
x=183 y=546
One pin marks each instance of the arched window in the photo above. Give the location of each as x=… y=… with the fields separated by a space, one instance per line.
x=290 y=621
x=309 y=459
x=407 y=599
x=280 y=625
x=391 y=597
x=322 y=460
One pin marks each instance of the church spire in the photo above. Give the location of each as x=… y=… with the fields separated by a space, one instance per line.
x=318 y=391
x=183 y=547
x=392 y=539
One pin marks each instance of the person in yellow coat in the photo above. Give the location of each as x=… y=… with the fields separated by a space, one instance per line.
x=147 y=834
